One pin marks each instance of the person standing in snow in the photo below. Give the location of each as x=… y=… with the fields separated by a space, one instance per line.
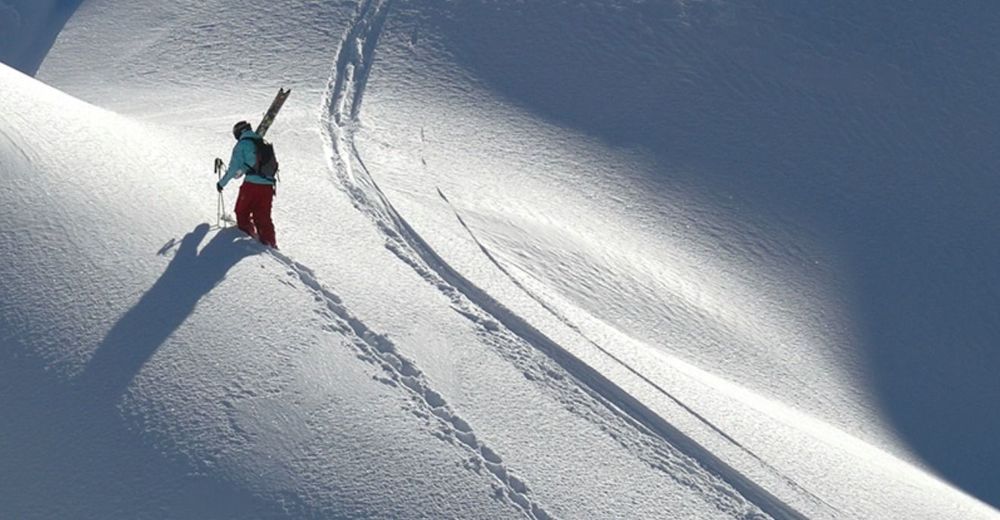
x=253 y=205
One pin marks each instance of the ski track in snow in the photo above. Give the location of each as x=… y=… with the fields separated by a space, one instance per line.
x=659 y=388
x=578 y=386
x=400 y=372
x=354 y=58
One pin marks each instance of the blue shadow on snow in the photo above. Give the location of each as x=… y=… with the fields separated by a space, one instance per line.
x=161 y=310
x=28 y=29
x=874 y=125
x=68 y=445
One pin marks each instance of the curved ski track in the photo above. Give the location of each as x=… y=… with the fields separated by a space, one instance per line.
x=658 y=387
x=578 y=386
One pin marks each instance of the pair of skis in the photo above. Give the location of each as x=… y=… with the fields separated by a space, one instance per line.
x=262 y=127
x=272 y=111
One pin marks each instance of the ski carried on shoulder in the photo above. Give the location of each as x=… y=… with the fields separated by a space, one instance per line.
x=265 y=123
x=272 y=111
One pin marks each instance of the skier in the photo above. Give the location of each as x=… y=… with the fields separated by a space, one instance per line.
x=253 y=205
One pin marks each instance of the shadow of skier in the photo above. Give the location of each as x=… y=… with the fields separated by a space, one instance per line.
x=71 y=447
x=140 y=331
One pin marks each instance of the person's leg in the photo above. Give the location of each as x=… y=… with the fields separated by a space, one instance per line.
x=244 y=206
x=262 y=215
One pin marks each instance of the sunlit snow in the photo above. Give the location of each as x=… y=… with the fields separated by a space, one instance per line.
x=539 y=259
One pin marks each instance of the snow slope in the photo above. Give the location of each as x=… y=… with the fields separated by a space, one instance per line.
x=213 y=412
x=487 y=304
x=131 y=354
x=779 y=195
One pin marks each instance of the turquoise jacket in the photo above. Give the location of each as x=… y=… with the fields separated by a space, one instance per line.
x=243 y=160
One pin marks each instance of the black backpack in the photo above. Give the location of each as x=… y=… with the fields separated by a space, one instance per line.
x=266 y=165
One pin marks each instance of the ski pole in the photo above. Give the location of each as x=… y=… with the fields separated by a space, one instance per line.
x=222 y=202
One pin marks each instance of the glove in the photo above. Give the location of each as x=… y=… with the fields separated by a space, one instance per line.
x=218 y=187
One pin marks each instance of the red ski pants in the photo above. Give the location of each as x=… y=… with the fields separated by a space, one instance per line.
x=253 y=212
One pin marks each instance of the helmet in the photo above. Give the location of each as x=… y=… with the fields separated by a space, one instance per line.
x=239 y=128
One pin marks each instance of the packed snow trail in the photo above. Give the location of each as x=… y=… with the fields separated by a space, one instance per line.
x=352 y=68
x=401 y=373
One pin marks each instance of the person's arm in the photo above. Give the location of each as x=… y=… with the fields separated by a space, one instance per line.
x=243 y=155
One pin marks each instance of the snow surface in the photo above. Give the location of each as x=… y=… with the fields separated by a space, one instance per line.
x=545 y=259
